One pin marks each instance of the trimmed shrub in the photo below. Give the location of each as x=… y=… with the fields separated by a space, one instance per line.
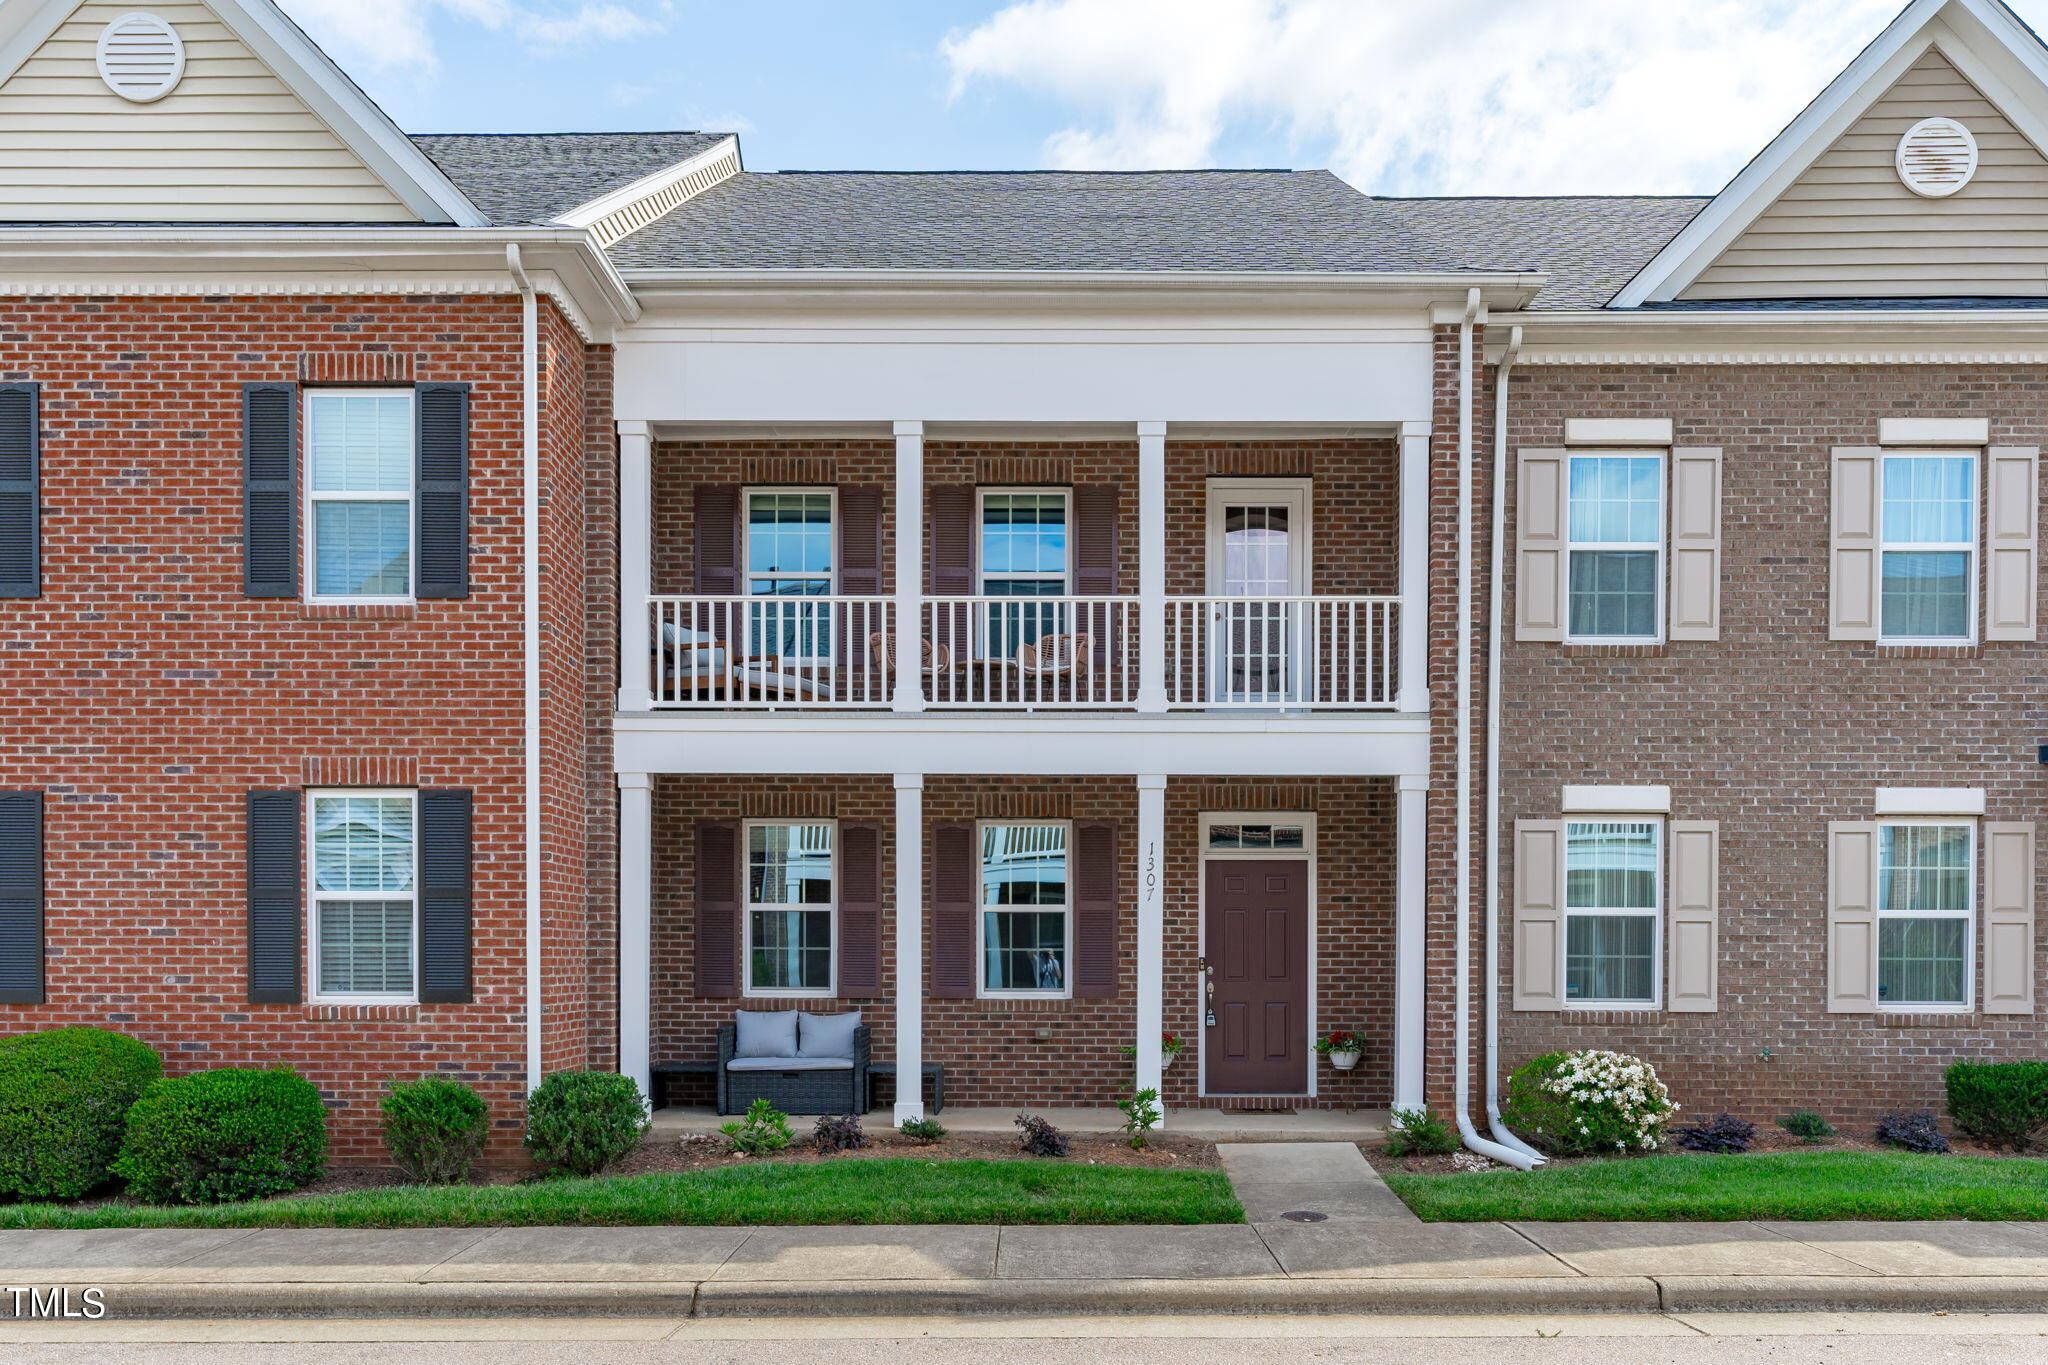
x=1419 y=1132
x=2001 y=1103
x=580 y=1122
x=435 y=1128
x=218 y=1136
x=1724 y=1133
x=64 y=1097
x=1916 y=1132
x=1587 y=1103
x=922 y=1131
x=1806 y=1125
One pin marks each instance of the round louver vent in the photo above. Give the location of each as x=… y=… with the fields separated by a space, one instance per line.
x=1937 y=157
x=141 y=57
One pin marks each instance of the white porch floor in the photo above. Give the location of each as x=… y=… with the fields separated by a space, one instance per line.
x=1305 y=1125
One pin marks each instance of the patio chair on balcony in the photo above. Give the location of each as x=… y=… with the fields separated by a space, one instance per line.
x=935 y=658
x=1043 y=661
x=694 y=662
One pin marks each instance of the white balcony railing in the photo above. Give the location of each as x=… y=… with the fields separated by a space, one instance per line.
x=771 y=653
x=1031 y=652
x=1271 y=652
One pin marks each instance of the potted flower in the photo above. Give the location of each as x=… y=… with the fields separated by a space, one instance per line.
x=1342 y=1048
x=1169 y=1048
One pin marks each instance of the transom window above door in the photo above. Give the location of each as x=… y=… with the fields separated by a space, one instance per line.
x=1617 y=546
x=1247 y=836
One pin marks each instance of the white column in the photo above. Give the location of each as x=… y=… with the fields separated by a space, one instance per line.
x=636 y=928
x=1411 y=926
x=1151 y=566
x=1414 y=627
x=636 y=563
x=909 y=946
x=909 y=566
x=1151 y=932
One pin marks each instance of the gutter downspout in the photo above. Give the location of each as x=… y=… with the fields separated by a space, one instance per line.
x=529 y=379
x=1462 y=1026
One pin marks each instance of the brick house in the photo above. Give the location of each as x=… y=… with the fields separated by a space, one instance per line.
x=496 y=604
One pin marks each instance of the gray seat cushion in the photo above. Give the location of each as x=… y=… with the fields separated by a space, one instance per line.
x=764 y=1033
x=826 y=1035
x=790 y=1064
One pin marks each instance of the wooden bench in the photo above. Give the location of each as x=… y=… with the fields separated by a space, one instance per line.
x=933 y=1072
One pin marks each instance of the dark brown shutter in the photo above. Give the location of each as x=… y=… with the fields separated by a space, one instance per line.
x=441 y=502
x=21 y=898
x=860 y=910
x=445 y=897
x=21 y=451
x=718 y=908
x=1095 y=542
x=717 y=525
x=1095 y=909
x=950 y=509
x=270 y=510
x=274 y=834
x=860 y=540
x=953 y=882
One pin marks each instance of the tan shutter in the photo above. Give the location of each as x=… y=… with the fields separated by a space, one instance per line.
x=1539 y=914
x=1695 y=947
x=1856 y=505
x=2012 y=542
x=1852 y=917
x=1542 y=513
x=1695 y=543
x=2008 y=918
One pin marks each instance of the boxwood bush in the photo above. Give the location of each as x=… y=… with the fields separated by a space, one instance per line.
x=64 y=1097
x=435 y=1128
x=217 y=1136
x=2002 y=1103
x=579 y=1122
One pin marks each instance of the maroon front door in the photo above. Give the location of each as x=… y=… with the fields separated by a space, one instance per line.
x=1256 y=938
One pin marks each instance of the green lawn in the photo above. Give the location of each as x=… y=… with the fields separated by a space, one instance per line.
x=1784 y=1185
x=878 y=1190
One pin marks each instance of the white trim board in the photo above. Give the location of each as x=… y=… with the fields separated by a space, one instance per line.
x=1930 y=801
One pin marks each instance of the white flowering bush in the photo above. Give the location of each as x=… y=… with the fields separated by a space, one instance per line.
x=1588 y=1104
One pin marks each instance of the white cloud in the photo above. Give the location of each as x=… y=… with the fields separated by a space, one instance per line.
x=394 y=34
x=1444 y=97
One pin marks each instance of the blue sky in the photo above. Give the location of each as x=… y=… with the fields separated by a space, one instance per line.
x=1449 y=96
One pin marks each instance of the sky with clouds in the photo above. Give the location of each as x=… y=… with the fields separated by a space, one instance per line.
x=1399 y=97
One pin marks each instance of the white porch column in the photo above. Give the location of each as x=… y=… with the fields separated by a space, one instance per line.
x=909 y=567
x=1151 y=932
x=636 y=928
x=1151 y=568
x=1414 y=627
x=909 y=946
x=636 y=563
x=1411 y=924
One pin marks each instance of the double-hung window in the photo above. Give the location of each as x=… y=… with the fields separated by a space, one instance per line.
x=1929 y=546
x=1026 y=910
x=788 y=555
x=359 y=494
x=1024 y=552
x=1613 y=902
x=1616 y=551
x=364 y=895
x=1926 y=904
x=790 y=900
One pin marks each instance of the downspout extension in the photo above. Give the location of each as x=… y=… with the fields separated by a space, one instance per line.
x=530 y=643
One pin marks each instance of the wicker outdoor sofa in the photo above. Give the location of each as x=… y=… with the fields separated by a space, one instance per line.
x=773 y=1062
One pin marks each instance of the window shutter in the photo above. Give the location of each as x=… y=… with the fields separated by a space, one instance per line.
x=2012 y=519
x=717 y=527
x=1857 y=507
x=2008 y=918
x=441 y=500
x=950 y=509
x=953 y=896
x=718 y=908
x=275 y=831
x=860 y=910
x=860 y=540
x=1542 y=517
x=21 y=511
x=1852 y=917
x=1095 y=910
x=21 y=898
x=1695 y=543
x=1095 y=541
x=1539 y=914
x=270 y=511
x=446 y=880
x=1695 y=919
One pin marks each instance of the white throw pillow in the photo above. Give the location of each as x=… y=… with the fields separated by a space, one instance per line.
x=765 y=1033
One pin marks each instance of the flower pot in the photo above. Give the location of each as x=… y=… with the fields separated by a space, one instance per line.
x=1343 y=1061
x=1166 y=1059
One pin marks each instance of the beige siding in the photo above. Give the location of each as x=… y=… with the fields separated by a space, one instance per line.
x=231 y=144
x=1848 y=227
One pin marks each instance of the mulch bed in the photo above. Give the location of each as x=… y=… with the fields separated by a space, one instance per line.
x=1769 y=1138
x=704 y=1151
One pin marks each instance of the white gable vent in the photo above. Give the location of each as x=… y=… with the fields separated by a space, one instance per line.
x=141 y=57
x=1937 y=157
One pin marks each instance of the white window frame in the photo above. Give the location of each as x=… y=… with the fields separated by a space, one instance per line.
x=309 y=499
x=315 y=897
x=830 y=578
x=748 y=906
x=1661 y=546
x=1065 y=578
x=982 y=909
x=1655 y=914
x=1972 y=549
x=1968 y=916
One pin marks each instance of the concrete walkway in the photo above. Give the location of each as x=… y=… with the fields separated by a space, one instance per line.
x=1308 y=1183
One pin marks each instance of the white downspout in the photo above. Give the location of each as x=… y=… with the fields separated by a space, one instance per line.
x=529 y=379
x=1462 y=1025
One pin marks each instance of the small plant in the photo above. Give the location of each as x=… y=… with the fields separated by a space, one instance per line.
x=2004 y=1104
x=765 y=1129
x=924 y=1131
x=435 y=1128
x=1041 y=1138
x=838 y=1133
x=1419 y=1132
x=1806 y=1125
x=1141 y=1115
x=1170 y=1047
x=64 y=1097
x=1916 y=1132
x=1724 y=1133
x=1341 y=1040
x=218 y=1136
x=579 y=1122
x=1587 y=1103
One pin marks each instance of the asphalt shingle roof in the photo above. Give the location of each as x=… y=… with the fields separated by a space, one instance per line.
x=520 y=179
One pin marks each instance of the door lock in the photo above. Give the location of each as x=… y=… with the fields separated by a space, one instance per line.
x=1208 y=993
